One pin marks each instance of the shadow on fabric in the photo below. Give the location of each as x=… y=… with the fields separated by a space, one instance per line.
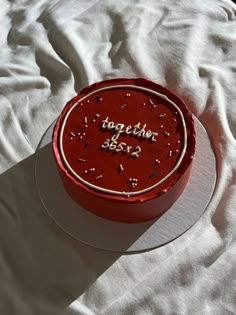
x=42 y=268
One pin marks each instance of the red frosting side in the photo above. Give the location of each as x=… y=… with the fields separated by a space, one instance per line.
x=113 y=145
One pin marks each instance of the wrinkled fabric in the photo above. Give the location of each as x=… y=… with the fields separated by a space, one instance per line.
x=49 y=51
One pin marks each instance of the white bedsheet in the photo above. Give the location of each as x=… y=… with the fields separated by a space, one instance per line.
x=50 y=50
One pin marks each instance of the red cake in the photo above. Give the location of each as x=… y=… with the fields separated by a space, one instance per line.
x=124 y=149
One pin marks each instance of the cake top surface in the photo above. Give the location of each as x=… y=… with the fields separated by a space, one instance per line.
x=124 y=139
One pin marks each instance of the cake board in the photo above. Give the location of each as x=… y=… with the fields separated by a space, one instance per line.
x=126 y=237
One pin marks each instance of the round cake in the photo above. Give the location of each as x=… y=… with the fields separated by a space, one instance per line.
x=124 y=149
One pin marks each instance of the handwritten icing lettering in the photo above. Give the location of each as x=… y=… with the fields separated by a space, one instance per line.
x=136 y=130
x=105 y=123
x=137 y=126
x=142 y=131
x=127 y=130
x=148 y=134
x=112 y=145
x=128 y=148
x=119 y=127
x=110 y=125
x=136 y=152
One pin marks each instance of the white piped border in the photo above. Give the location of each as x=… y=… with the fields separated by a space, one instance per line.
x=115 y=192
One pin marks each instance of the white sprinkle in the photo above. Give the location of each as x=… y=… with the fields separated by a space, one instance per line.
x=121 y=167
x=154 y=106
x=72 y=134
x=81 y=104
x=81 y=137
x=99 y=176
x=150 y=102
x=78 y=133
x=97 y=115
x=176 y=113
x=86 y=126
x=99 y=99
x=85 y=120
x=94 y=120
x=92 y=169
x=144 y=104
x=162 y=115
x=123 y=105
x=170 y=153
x=86 y=172
x=88 y=101
x=168 y=144
x=71 y=138
x=177 y=150
x=128 y=196
x=174 y=119
x=166 y=133
x=82 y=160
x=127 y=94
x=161 y=126
x=84 y=134
x=178 y=141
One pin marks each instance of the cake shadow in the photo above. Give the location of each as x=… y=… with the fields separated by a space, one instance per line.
x=78 y=222
x=44 y=268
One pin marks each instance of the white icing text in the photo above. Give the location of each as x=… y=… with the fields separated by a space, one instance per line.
x=112 y=145
x=119 y=128
x=135 y=130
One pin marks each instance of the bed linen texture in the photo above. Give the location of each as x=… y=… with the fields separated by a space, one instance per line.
x=49 y=51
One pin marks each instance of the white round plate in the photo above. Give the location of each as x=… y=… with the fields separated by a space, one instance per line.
x=125 y=237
